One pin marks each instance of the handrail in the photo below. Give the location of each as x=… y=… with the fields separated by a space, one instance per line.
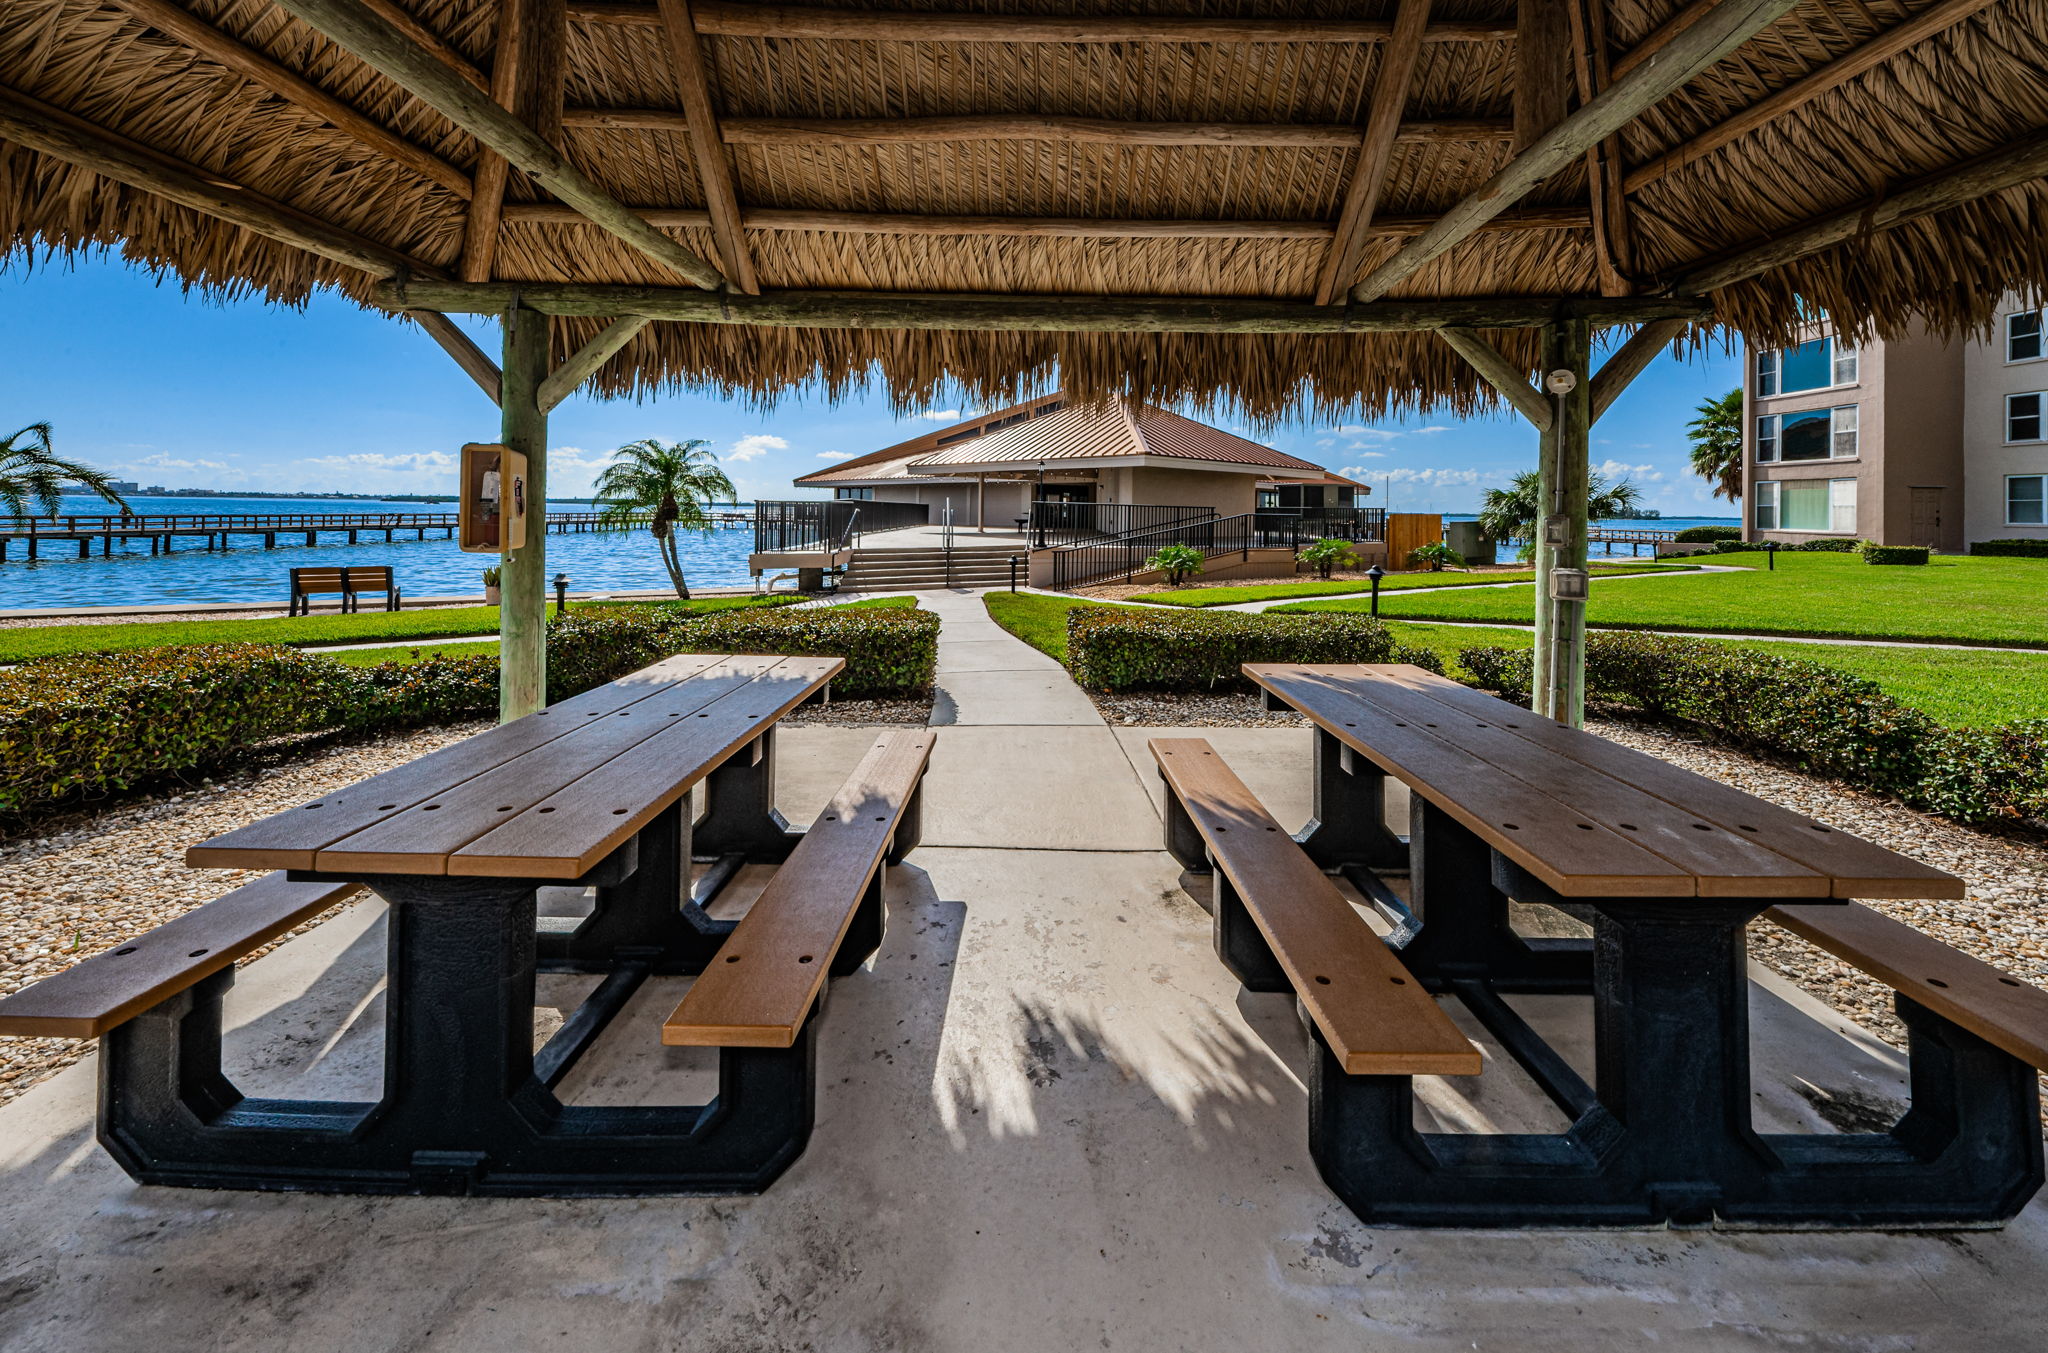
x=1268 y=528
x=1055 y=523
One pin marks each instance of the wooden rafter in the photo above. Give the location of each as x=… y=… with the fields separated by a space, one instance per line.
x=56 y=133
x=403 y=19
x=1731 y=23
x=584 y=362
x=1662 y=36
x=1025 y=313
x=1833 y=75
x=714 y=168
x=1067 y=227
x=1608 y=204
x=1391 y=82
x=458 y=345
x=486 y=207
x=1631 y=359
x=807 y=21
x=391 y=53
x=257 y=68
x=1543 y=68
x=1501 y=374
x=814 y=131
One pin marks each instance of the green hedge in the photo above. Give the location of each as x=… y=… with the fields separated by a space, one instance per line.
x=1874 y=553
x=2012 y=549
x=78 y=726
x=1815 y=716
x=1695 y=535
x=1123 y=650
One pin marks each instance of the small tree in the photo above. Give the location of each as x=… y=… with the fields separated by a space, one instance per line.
x=676 y=479
x=31 y=472
x=1512 y=513
x=1329 y=554
x=1435 y=554
x=1177 y=562
x=1717 y=444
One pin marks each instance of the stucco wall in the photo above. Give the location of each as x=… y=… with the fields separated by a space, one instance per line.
x=1228 y=492
x=1987 y=379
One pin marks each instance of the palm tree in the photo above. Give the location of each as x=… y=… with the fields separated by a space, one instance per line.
x=1717 y=444
x=678 y=480
x=1511 y=513
x=29 y=469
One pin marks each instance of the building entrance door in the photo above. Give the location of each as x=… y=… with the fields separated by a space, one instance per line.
x=1926 y=528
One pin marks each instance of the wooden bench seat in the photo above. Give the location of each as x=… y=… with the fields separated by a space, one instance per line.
x=771 y=969
x=379 y=579
x=2004 y=1011
x=1375 y=1018
x=308 y=583
x=113 y=987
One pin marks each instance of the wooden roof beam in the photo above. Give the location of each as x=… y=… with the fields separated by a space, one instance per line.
x=425 y=38
x=1732 y=23
x=376 y=42
x=294 y=88
x=1662 y=35
x=1798 y=94
x=1027 y=313
x=1391 y=82
x=722 y=19
x=817 y=131
x=1498 y=372
x=707 y=151
x=56 y=133
x=1630 y=360
x=458 y=345
x=563 y=381
x=1609 y=205
x=516 y=43
x=1057 y=227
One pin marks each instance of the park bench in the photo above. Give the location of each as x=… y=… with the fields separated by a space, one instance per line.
x=1668 y=868
x=595 y=794
x=362 y=581
x=350 y=583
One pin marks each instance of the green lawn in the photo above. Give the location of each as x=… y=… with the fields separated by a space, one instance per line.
x=365 y=627
x=1040 y=621
x=1958 y=598
x=1225 y=595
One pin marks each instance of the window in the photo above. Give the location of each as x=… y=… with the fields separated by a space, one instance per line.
x=2024 y=495
x=1816 y=365
x=855 y=495
x=1810 y=434
x=1806 y=505
x=2023 y=417
x=2023 y=336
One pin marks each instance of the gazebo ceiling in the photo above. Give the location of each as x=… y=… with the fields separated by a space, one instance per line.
x=1190 y=198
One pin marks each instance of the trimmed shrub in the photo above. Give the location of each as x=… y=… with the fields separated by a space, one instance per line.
x=890 y=653
x=2011 y=549
x=1700 y=535
x=1191 y=651
x=1981 y=774
x=80 y=725
x=1874 y=553
x=1829 y=546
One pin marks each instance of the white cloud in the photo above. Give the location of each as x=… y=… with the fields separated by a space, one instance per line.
x=941 y=415
x=1431 y=431
x=1435 y=477
x=835 y=455
x=163 y=461
x=1614 y=469
x=754 y=446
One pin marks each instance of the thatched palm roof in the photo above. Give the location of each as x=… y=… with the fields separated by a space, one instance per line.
x=871 y=153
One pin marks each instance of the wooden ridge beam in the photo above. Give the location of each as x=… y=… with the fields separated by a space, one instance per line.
x=1498 y=372
x=294 y=88
x=1609 y=205
x=815 y=131
x=2013 y=165
x=1054 y=314
x=1732 y=23
x=563 y=381
x=721 y=19
x=1391 y=82
x=707 y=152
x=486 y=207
x=1630 y=360
x=61 y=135
x=1054 y=227
x=391 y=53
x=1799 y=93
x=459 y=346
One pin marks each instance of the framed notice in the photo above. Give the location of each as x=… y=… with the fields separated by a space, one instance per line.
x=492 y=514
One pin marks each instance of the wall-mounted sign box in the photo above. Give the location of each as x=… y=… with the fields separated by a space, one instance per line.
x=493 y=508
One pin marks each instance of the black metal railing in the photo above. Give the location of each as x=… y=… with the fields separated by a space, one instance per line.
x=1120 y=556
x=819 y=524
x=1054 y=523
x=1340 y=523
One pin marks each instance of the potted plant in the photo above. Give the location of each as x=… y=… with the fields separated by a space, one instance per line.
x=491 y=586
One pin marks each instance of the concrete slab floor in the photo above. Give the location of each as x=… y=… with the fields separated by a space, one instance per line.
x=1013 y=698
x=1036 y=789
x=994 y=655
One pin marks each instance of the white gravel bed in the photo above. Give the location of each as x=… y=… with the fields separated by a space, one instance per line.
x=861 y=713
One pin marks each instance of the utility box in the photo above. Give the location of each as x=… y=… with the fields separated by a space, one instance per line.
x=491 y=516
x=1466 y=538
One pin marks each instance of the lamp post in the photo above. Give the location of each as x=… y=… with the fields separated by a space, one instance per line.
x=561 y=594
x=1770 y=556
x=1375 y=573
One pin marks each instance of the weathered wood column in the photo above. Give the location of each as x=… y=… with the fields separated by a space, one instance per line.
x=523 y=596
x=1568 y=347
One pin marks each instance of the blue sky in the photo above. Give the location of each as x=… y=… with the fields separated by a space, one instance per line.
x=168 y=388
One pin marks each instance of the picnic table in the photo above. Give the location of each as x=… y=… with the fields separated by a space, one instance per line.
x=593 y=792
x=1667 y=868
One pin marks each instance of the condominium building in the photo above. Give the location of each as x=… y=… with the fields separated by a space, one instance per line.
x=1914 y=441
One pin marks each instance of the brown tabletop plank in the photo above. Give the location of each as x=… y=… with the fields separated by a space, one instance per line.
x=1599 y=861
x=1725 y=861
x=291 y=839
x=421 y=839
x=567 y=833
x=773 y=966
x=1376 y=1018
x=1858 y=868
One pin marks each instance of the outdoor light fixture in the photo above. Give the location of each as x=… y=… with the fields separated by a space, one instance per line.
x=1375 y=573
x=1557 y=531
x=1569 y=584
x=1770 y=556
x=1561 y=381
x=561 y=593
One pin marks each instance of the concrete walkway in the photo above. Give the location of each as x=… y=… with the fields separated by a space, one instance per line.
x=1048 y=1120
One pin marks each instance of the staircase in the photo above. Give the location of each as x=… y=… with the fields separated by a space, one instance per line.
x=906 y=570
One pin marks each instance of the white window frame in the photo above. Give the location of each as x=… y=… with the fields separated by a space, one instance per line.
x=1842 y=503
x=1765 y=499
x=2040 y=417
x=2043 y=480
x=2040 y=336
x=1845 y=368
x=1844 y=421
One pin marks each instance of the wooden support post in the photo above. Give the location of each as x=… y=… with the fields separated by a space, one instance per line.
x=1502 y=375
x=458 y=345
x=523 y=598
x=1559 y=684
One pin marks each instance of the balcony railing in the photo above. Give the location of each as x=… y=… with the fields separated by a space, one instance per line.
x=1054 y=524
x=1272 y=528
x=793 y=527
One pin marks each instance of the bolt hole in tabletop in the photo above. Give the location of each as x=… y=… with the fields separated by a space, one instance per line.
x=1667 y=868
x=592 y=792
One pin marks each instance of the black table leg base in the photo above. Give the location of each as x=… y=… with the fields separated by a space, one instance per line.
x=168 y=1116
x=740 y=816
x=1348 y=813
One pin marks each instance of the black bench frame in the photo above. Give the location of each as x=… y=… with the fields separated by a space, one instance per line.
x=468 y=1106
x=351 y=599
x=1664 y=1135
